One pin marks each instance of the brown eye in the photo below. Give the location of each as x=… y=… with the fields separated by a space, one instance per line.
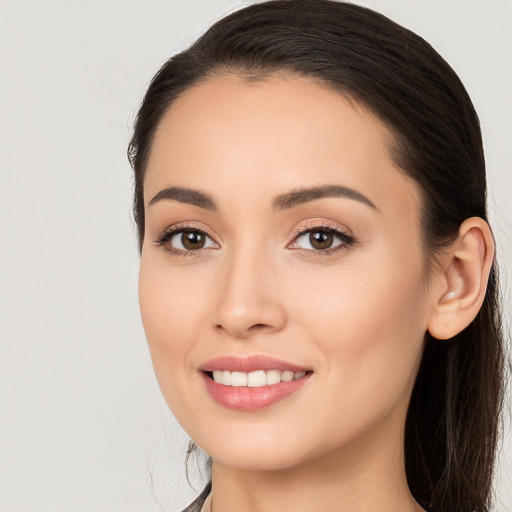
x=193 y=240
x=321 y=239
x=186 y=241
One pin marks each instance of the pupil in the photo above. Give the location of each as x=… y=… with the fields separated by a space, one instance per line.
x=321 y=239
x=192 y=240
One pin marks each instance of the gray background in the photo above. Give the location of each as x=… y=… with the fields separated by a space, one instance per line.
x=82 y=424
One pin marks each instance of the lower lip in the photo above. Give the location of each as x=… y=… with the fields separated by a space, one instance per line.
x=252 y=399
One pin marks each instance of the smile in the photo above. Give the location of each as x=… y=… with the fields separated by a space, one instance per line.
x=253 y=398
x=256 y=379
x=252 y=383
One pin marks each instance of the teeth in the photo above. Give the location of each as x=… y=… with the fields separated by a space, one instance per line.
x=273 y=377
x=255 y=379
x=238 y=379
x=226 y=378
x=287 y=376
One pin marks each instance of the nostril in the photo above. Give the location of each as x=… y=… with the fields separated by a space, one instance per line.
x=252 y=328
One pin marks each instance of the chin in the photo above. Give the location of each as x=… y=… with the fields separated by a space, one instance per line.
x=251 y=453
x=255 y=459
x=256 y=452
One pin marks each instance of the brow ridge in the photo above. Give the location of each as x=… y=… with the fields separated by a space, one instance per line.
x=306 y=195
x=281 y=202
x=185 y=195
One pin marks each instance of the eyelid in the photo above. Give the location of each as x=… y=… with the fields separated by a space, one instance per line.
x=174 y=229
x=321 y=225
x=186 y=225
x=343 y=233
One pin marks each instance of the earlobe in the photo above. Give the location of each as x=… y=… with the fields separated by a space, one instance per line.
x=465 y=272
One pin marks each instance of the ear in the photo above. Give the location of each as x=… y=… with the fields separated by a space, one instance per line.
x=464 y=275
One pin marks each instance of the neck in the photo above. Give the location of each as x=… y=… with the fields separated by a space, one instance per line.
x=367 y=476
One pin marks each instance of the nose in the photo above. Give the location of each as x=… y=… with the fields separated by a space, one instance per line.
x=249 y=297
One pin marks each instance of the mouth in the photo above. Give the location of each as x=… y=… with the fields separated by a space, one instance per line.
x=252 y=383
x=255 y=379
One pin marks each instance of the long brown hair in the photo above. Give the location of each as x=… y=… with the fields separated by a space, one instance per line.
x=452 y=424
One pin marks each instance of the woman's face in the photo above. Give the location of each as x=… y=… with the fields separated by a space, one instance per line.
x=280 y=239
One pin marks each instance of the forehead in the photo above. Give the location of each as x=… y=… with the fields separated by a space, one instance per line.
x=272 y=134
x=272 y=108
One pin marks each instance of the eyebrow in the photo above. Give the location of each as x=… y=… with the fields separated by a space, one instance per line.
x=281 y=202
x=185 y=195
x=305 y=195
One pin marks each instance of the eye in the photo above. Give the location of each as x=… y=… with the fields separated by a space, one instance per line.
x=322 y=239
x=185 y=240
x=190 y=240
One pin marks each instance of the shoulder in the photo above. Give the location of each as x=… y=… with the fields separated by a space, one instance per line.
x=197 y=504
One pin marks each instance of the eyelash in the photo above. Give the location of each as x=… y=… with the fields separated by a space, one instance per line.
x=167 y=235
x=346 y=239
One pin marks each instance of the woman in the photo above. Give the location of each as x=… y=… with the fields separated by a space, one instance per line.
x=317 y=281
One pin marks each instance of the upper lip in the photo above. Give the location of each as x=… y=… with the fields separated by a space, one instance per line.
x=250 y=364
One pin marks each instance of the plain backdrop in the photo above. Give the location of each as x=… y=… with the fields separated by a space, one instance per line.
x=82 y=424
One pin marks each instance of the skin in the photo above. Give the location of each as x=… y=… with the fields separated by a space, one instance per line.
x=357 y=315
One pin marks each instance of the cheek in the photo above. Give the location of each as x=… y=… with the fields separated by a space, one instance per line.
x=369 y=323
x=172 y=311
x=170 y=306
